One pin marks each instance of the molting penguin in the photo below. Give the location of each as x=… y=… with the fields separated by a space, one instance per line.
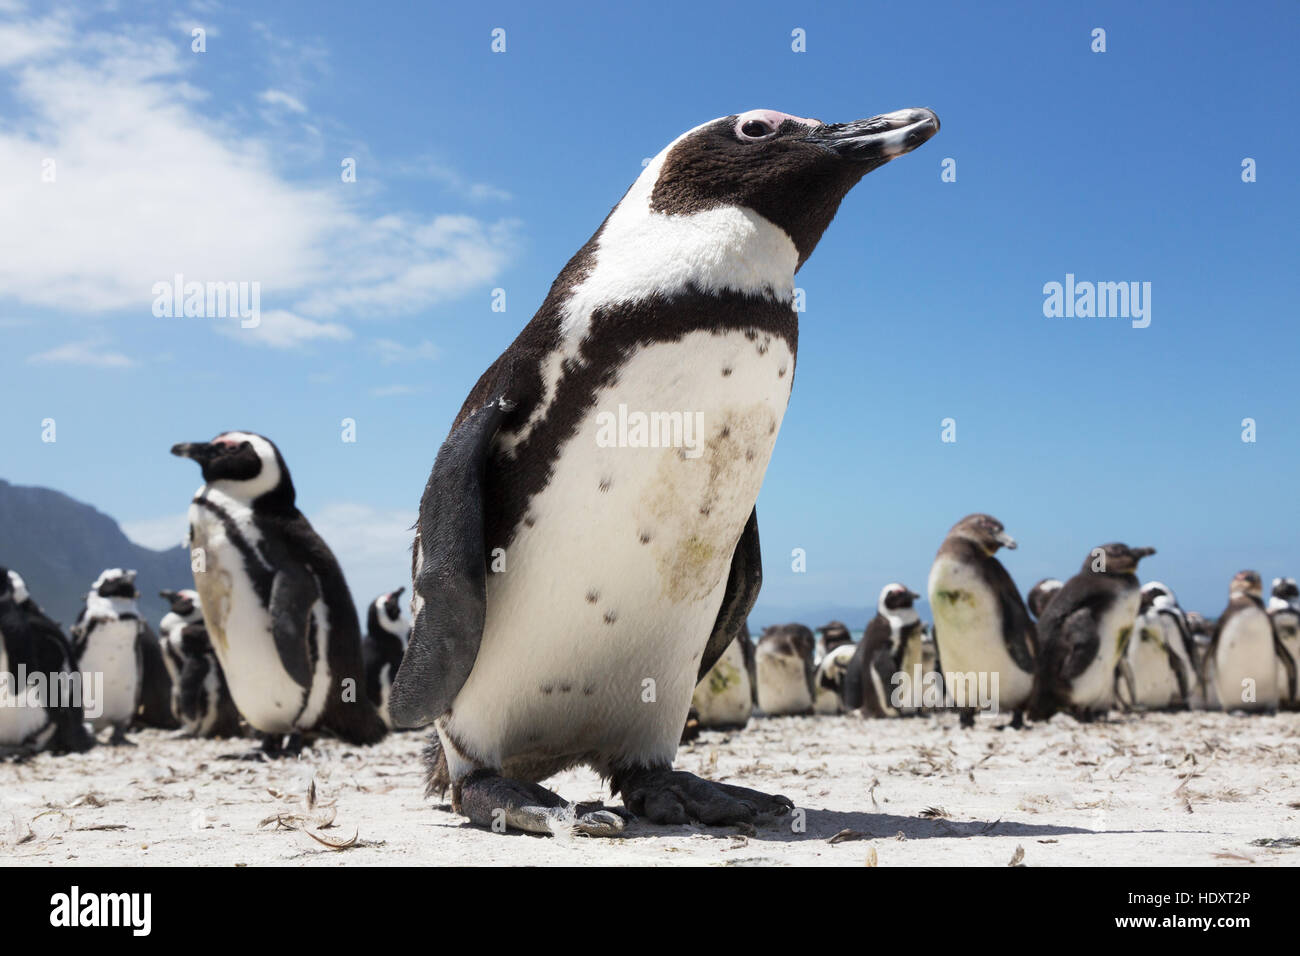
x=724 y=698
x=629 y=567
x=981 y=626
x=275 y=602
x=784 y=662
x=833 y=635
x=35 y=712
x=1244 y=654
x=1040 y=594
x=106 y=641
x=383 y=647
x=1284 y=609
x=1085 y=631
x=1158 y=669
x=200 y=696
x=877 y=661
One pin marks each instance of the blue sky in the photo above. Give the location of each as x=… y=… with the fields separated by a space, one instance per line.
x=478 y=171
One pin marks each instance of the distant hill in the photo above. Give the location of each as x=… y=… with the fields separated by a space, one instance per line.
x=59 y=546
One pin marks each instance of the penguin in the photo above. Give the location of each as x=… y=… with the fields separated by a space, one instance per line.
x=1158 y=670
x=1040 y=594
x=724 y=698
x=981 y=626
x=833 y=635
x=784 y=661
x=40 y=702
x=155 y=707
x=873 y=683
x=1084 y=632
x=107 y=641
x=1284 y=609
x=574 y=575
x=201 y=698
x=1243 y=659
x=1202 y=632
x=828 y=680
x=383 y=647
x=276 y=606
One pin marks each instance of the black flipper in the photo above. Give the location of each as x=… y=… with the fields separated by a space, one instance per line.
x=452 y=577
x=1288 y=663
x=743 y=583
x=293 y=592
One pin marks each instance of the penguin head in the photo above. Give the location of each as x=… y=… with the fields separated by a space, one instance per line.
x=894 y=598
x=1116 y=558
x=388 y=607
x=790 y=170
x=1246 y=582
x=985 y=531
x=184 y=603
x=7 y=589
x=19 y=587
x=1041 y=594
x=244 y=465
x=1157 y=595
x=114 y=582
x=835 y=634
x=1283 y=588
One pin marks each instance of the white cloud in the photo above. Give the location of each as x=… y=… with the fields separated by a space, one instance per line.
x=158 y=533
x=280 y=329
x=152 y=179
x=372 y=544
x=89 y=352
x=282 y=99
x=391 y=352
x=453 y=180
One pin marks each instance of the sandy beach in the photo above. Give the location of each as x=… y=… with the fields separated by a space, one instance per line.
x=1191 y=789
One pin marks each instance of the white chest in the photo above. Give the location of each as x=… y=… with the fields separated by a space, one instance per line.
x=111 y=652
x=1245 y=663
x=1095 y=687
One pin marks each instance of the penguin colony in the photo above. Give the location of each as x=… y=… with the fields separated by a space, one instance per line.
x=682 y=299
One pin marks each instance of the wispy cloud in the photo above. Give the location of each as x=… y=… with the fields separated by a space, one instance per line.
x=89 y=352
x=453 y=180
x=391 y=352
x=158 y=533
x=280 y=329
x=282 y=99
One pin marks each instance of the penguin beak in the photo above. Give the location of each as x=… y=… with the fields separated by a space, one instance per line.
x=1005 y=540
x=877 y=140
x=197 y=451
x=913 y=595
x=1140 y=553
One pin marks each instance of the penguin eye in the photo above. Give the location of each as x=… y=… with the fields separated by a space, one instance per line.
x=755 y=129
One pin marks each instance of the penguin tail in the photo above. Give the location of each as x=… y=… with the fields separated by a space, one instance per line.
x=437 y=776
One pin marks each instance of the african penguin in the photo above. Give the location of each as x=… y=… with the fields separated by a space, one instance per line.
x=828 y=680
x=1040 y=594
x=106 y=641
x=383 y=647
x=1243 y=659
x=833 y=635
x=276 y=606
x=783 y=661
x=1284 y=609
x=981 y=626
x=1158 y=669
x=201 y=698
x=724 y=697
x=624 y=562
x=872 y=682
x=1084 y=632
x=1202 y=632
x=39 y=708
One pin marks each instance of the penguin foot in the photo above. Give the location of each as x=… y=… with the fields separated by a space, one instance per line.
x=675 y=796
x=1017 y=721
x=274 y=747
x=499 y=803
x=967 y=718
x=118 y=737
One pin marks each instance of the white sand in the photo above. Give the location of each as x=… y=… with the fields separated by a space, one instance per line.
x=1111 y=793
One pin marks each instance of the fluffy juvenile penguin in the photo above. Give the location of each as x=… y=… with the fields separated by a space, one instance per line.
x=724 y=698
x=106 y=641
x=276 y=606
x=1085 y=631
x=201 y=698
x=981 y=626
x=872 y=675
x=630 y=563
x=784 y=661
x=39 y=709
x=1284 y=609
x=1040 y=594
x=1243 y=659
x=383 y=647
x=1157 y=671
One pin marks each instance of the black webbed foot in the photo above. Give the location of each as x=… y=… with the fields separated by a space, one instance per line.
x=674 y=796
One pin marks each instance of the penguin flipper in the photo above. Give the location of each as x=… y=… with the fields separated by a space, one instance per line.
x=1080 y=643
x=293 y=593
x=1288 y=663
x=451 y=574
x=743 y=583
